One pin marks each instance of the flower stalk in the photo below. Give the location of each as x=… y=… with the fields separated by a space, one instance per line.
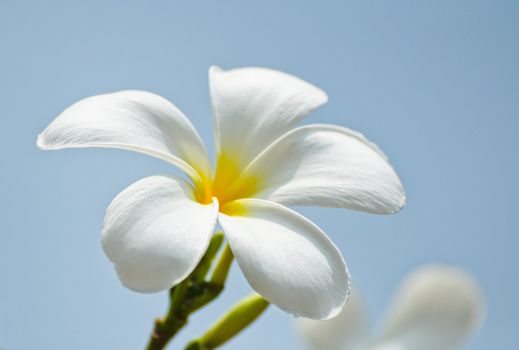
x=192 y=294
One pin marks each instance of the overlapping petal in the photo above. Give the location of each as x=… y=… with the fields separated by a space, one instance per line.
x=252 y=107
x=325 y=165
x=133 y=120
x=436 y=308
x=346 y=331
x=286 y=258
x=155 y=233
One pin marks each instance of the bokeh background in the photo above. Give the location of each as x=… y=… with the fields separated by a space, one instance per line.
x=434 y=83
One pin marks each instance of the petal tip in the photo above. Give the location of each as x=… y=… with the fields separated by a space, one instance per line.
x=337 y=310
x=40 y=142
x=43 y=143
x=398 y=203
x=214 y=69
x=322 y=95
x=401 y=203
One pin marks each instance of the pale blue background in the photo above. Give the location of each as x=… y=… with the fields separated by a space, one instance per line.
x=434 y=83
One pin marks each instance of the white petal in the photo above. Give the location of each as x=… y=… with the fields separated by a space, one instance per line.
x=286 y=258
x=330 y=166
x=252 y=107
x=346 y=331
x=155 y=233
x=436 y=308
x=133 y=120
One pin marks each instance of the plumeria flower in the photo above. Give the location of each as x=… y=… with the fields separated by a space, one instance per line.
x=437 y=308
x=156 y=231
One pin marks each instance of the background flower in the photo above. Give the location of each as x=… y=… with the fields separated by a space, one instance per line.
x=436 y=307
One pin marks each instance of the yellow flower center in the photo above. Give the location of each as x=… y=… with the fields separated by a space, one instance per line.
x=227 y=185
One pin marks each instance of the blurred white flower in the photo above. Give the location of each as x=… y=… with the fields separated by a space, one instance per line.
x=156 y=231
x=436 y=308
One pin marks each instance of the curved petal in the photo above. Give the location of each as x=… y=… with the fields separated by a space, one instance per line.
x=252 y=107
x=155 y=233
x=326 y=165
x=347 y=331
x=437 y=307
x=134 y=120
x=286 y=258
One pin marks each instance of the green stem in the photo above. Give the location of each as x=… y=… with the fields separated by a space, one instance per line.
x=222 y=268
x=166 y=328
x=216 y=284
x=177 y=296
x=192 y=294
x=206 y=262
x=231 y=324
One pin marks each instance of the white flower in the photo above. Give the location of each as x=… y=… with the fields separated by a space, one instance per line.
x=156 y=230
x=437 y=308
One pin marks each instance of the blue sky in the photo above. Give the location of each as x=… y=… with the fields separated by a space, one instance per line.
x=434 y=83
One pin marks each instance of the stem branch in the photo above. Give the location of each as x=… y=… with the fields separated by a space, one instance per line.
x=192 y=294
